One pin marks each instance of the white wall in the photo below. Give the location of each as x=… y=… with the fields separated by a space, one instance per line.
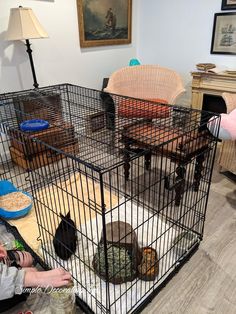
x=177 y=34
x=59 y=58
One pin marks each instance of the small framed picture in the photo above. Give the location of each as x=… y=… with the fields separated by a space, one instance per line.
x=224 y=34
x=103 y=23
x=228 y=5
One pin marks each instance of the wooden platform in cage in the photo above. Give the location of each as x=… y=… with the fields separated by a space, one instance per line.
x=58 y=134
x=44 y=158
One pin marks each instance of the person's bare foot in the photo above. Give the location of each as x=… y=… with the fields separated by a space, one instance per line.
x=55 y=278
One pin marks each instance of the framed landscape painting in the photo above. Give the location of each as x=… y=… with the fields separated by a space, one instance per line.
x=104 y=22
x=224 y=34
x=228 y=5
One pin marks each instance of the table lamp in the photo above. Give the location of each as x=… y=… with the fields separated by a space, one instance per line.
x=23 y=25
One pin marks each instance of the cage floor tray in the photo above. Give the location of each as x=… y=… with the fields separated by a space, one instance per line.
x=123 y=297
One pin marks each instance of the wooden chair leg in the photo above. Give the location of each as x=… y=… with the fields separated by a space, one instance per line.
x=126 y=166
x=198 y=171
x=126 y=158
x=179 y=183
x=148 y=158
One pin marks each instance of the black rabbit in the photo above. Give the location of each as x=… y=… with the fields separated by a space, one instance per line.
x=65 y=239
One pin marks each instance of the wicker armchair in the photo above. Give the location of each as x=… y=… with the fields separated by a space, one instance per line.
x=146 y=82
x=227 y=156
x=155 y=84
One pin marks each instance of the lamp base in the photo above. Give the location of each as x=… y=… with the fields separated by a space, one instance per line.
x=29 y=51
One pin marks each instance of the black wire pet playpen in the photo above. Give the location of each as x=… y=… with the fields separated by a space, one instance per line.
x=120 y=192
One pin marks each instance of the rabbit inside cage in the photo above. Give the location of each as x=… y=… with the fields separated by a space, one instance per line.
x=121 y=208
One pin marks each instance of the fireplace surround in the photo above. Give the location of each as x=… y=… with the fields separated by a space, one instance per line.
x=207 y=89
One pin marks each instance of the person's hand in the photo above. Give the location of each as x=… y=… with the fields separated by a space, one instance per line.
x=25 y=259
x=3 y=252
x=56 y=278
x=21 y=258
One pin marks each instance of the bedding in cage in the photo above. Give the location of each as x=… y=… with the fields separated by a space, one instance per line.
x=137 y=207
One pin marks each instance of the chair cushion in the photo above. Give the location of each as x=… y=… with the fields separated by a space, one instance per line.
x=132 y=108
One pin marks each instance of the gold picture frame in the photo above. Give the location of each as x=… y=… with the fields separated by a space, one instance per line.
x=104 y=22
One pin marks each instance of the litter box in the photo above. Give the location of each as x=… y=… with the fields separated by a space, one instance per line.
x=7 y=187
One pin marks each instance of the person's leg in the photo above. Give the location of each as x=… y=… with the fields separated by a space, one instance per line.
x=21 y=259
x=6 y=305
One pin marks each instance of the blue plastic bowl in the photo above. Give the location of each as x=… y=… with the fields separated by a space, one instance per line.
x=7 y=187
x=34 y=125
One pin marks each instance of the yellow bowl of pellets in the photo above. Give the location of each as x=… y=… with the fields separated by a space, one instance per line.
x=13 y=202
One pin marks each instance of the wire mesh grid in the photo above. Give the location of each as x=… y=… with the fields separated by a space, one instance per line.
x=134 y=176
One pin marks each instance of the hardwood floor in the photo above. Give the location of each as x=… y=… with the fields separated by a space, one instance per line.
x=207 y=283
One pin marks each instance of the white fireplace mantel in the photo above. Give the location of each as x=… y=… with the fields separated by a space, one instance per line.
x=211 y=84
